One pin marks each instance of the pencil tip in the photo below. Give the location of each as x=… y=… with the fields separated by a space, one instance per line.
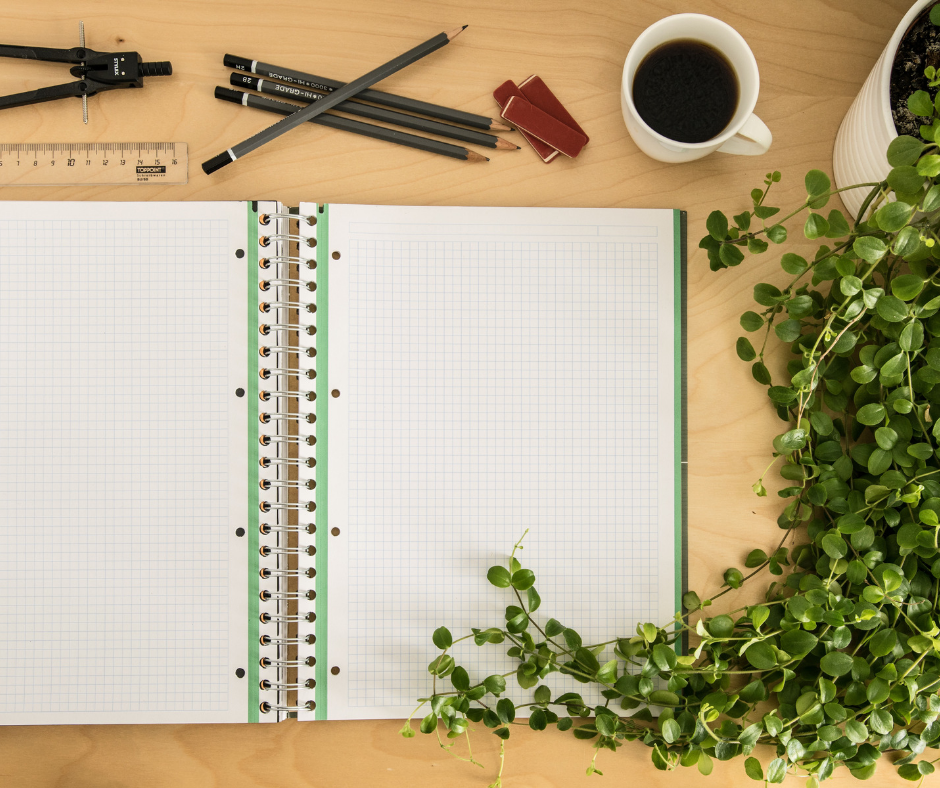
x=465 y=27
x=518 y=147
x=456 y=32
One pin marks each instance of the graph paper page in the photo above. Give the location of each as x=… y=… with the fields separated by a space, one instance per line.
x=122 y=462
x=498 y=370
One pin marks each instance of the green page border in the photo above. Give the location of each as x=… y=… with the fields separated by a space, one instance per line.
x=322 y=475
x=253 y=472
x=680 y=449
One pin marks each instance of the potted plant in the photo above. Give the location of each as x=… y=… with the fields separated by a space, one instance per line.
x=839 y=664
x=869 y=125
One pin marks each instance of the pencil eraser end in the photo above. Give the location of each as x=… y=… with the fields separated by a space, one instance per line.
x=217 y=163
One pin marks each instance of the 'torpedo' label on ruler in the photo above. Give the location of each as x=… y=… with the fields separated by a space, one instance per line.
x=93 y=163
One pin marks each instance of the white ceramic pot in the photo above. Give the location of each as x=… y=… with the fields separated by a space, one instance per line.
x=867 y=128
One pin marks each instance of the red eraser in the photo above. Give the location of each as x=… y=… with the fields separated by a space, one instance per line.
x=543 y=126
x=502 y=94
x=537 y=93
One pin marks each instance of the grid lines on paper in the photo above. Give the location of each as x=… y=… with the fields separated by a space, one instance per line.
x=495 y=386
x=113 y=465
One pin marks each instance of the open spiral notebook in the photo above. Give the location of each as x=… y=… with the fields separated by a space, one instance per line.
x=251 y=457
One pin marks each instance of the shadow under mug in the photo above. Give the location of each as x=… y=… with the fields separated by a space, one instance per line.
x=745 y=134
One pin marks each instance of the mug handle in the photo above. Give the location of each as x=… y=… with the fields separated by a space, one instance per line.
x=757 y=142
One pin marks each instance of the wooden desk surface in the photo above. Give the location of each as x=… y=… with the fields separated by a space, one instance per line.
x=813 y=57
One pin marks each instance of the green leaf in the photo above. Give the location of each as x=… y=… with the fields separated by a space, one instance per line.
x=533 y=599
x=499 y=576
x=766 y=294
x=881 y=721
x=670 y=729
x=721 y=626
x=745 y=349
x=664 y=698
x=523 y=579
x=871 y=414
x=817 y=182
x=919 y=103
x=904 y=150
x=877 y=692
x=664 y=657
x=705 y=763
x=760 y=373
x=761 y=655
x=816 y=226
x=929 y=166
x=607 y=673
x=834 y=546
x=787 y=331
x=505 y=710
x=931 y=201
x=893 y=216
x=717 y=225
x=908 y=240
x=753 y=769
x=905 y=180
x=777 y=770
x=850 y=285
x=495 y=684
x=777 y=233
x=883 y=642
x=869 y=248
x=798 y=641
x=856 y=731
x=907 y=286
x=460 y=679
x=838 y=226
x=429 y=723
x=730 y=255
x=755 y=558
x=751 y=321
x=793 y=264
x=538 y=720
x=442 y=638
x=836 y=663
x=543 y=694
x=912 y=336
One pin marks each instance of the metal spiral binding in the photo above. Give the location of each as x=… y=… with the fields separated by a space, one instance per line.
x=287 y=343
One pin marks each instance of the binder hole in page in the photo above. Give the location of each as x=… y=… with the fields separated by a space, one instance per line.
x=334 y=531
x=239 y=253
x=336 y=255
x=239 y=392
x=239 y=532
x=239 y=673
x=334 y=393
x=334 y=670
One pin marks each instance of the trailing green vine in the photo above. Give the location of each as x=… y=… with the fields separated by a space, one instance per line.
x=839 y=664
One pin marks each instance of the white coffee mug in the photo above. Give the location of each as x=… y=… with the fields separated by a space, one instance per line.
x=745 y=134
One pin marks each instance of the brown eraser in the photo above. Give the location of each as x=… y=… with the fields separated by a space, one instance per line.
x=537 y=93
x=502 y=94
x=543 y=126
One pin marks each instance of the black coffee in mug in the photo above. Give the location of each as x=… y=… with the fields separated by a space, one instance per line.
x=686 y=90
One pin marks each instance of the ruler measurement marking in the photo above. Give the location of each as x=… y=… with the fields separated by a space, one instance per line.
x=103 y=163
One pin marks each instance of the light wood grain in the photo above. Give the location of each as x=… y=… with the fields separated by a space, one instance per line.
x=813 y=56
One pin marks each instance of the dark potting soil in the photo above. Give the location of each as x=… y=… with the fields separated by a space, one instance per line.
x=919 y=48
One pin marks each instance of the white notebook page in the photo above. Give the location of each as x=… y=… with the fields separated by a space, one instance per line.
x=499 y=369
x=122 y=462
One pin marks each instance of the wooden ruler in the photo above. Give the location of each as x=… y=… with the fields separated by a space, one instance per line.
x=67 y=163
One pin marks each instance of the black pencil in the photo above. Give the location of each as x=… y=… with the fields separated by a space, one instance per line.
x=312 y=110
x=241 y=79
x=354 y=126
x=293 y=77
